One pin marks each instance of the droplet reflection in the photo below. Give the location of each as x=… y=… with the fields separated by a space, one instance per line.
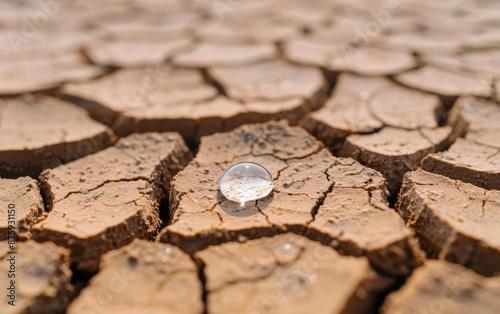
x=246 y=181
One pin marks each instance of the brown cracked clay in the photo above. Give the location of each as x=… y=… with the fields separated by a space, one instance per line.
x=21 y=202
x=480 y=119
x=144 y=277
x=25 y=76
x=38 y=132
x=287 y=274
x=134 y=53
x=164 y=99
x=103 y=201
x=338 y=56
x=207 y=55
x=454 y=221
x=447 y=84
x=364 y=105
x=469 y=162
x=382 y=125
x=42 y=278
x=310 y=185
x=447 y=288
x=272 y=80
x=394 y=151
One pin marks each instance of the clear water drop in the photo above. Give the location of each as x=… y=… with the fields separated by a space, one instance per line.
x=246 y=181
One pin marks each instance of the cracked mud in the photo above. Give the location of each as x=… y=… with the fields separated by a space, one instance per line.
x=377 y=120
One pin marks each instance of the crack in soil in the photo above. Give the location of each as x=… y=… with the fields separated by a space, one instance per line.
x=101 y=185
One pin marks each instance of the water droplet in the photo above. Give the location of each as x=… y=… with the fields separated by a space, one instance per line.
x=246 y=181
x=168 y=250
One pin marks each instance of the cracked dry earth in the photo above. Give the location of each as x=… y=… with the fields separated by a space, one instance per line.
x=378 y=121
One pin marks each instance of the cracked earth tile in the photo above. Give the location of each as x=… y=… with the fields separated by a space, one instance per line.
x=209 y=117
x=446 y=84
x=152 y=157
x=338 y=56
x=118 y=96
x=484 y=40
x=282 y=13
x=272 y=80
x=339 y=119
x=371 y=61
x=406 y=109
x=314 y=15
x=54 y=40
x=245 y=31
x=24 y=76
x=164 y=99
x=42 y=278
x=407 y=120
x=480 y=119
x=105 y=200
x=394 y=151
x=336 y=45
x=469 y=162
x=143 y=277
x=346 y=23
x=483 y=61
x=355 y=219
x=287 y=274
x=423 y=43
x=310 y=52
x=134 y=53
x=445 y=287
x=207 y=55
x=132 y=24
x=135 y=88
x=37 y=132
x=219 y=220
x=454 y=221
x=365 y=105
x=20 y=198
x=444 y=62
x=305 y=174
x=49 y=46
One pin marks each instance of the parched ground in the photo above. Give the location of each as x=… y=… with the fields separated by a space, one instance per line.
x=377 y=120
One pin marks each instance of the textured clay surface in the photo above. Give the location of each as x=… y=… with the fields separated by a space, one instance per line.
x=21 y=205
x=38 y=132
x=31 y=75
x=104 y=201
x=42 y=278
x=378 y=121
x=446 y=287
x=453 y=220
x=334 y=200
x=469 y=162
x=382 y=125
x=272 y=80
x=165 y=99
x=143 y=277
x=287 y=274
